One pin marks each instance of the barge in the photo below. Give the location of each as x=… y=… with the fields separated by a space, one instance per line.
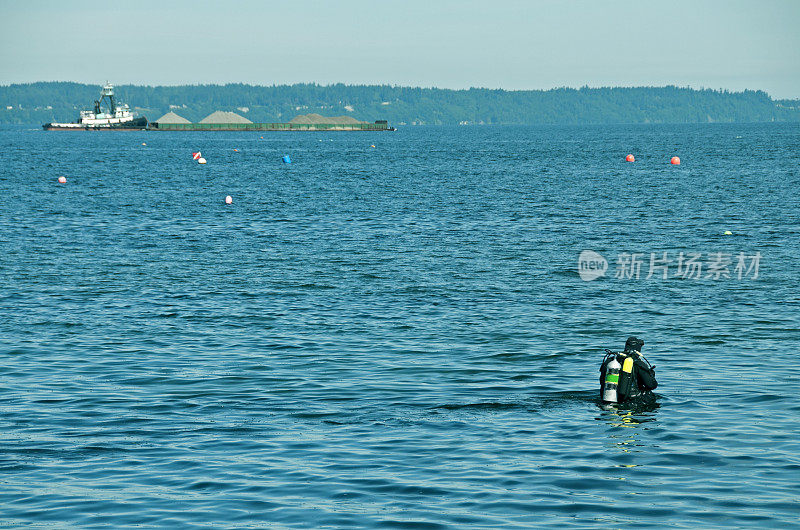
x=380 y=125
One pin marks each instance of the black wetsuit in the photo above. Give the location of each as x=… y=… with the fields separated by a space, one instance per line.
x=643 y=378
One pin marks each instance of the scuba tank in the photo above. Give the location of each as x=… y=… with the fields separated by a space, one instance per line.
x=611 y=381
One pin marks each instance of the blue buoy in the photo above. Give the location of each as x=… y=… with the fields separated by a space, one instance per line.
x=286 y=159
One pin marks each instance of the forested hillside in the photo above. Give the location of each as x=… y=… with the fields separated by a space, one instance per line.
x=60 y=101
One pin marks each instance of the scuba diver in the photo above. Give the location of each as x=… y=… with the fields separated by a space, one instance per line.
x=627 y=375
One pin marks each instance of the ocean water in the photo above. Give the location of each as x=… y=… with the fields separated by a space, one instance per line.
x=398 y=336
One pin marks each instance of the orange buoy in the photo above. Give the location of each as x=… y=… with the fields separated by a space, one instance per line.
x=236 y=150
x=62 y=180
x=228 y=199
x=675 y=161
x=629 y=158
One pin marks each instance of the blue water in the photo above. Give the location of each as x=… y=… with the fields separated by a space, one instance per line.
x=396 y=336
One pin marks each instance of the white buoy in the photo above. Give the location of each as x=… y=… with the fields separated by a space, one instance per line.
x=228 y=199
x=62 y=180
x=201 y=160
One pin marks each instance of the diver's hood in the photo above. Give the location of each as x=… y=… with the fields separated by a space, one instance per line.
x=633 y=344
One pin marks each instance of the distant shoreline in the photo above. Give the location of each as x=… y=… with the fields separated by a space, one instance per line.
x=599 y=126
x=59 y=101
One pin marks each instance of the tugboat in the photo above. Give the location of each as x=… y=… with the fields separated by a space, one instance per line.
x=118 y=117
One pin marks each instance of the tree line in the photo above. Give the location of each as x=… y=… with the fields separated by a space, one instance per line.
x=34 y=103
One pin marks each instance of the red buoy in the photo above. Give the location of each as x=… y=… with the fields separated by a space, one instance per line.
x=629 y=158
x=675 y=161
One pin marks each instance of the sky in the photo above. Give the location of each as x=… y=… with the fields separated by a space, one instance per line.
x=506 y=44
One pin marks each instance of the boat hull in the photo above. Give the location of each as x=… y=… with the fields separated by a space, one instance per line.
x=135 y=124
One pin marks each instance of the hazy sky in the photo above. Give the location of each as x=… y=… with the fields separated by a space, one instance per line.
x=454 y=44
